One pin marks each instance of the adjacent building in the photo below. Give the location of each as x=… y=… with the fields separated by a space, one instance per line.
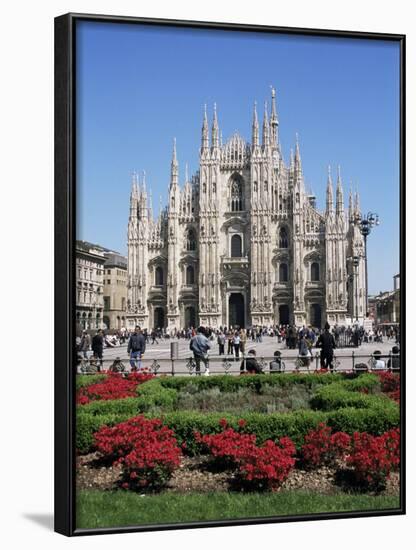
x=89 y=303
x=242 y=242
x=387 y=304
x=115 y=291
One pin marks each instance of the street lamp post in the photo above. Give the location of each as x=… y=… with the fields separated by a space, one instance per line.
x=355 y=261
x=365 y=224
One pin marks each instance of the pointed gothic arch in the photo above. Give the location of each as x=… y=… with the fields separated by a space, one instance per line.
x=190 y=275
x=315 y=272
x=190 y=240
x=236 y=246
x=236 y=194
x=283 y=237
x=159 y=276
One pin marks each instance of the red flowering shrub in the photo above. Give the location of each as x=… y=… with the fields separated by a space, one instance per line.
x=374 y=457
x=264 y=467
x=147 y=450
x=323 y=447
x=390 y=384
x=115 y=386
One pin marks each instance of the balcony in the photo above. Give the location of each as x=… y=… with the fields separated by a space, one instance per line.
x=230 y=262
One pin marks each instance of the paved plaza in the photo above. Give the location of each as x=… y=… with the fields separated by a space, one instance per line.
x=265 y=349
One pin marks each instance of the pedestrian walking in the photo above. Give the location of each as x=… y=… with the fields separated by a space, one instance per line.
x=85 y=344
x=221 y=343
x=98 y=347
x=236 y=345
x=200 y=346
x=326 y=342
x=136 y=348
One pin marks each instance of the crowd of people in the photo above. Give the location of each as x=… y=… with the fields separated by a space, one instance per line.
x=233 y=341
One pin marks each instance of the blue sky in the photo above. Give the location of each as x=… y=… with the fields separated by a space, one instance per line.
x=139 y=86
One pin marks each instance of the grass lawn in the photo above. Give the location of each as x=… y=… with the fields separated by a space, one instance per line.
x=97 y=509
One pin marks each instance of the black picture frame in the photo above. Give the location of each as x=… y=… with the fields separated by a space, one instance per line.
x=65 y=215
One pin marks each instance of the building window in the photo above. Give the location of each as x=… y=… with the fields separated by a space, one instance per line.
x=283 y=239
x=236 y=195
x=283 y=273
x=107 y=302
x=159 y=276
x=190 y=275
x=190 y=240
x=236 y=246
x=315 y=271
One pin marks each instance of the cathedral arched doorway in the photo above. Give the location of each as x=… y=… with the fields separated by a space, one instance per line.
x=159 y=317
x=283 y=314
x=316 y=315
x=190 y=317
x=236 y=316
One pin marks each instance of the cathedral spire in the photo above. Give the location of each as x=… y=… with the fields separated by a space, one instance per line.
x=134 y=188
x=350 y=205
x=144 y=183
x=273 y=120
x=329 y=194
x=266 y=127
x=340 y=194
x=215 y=130
x=357 y=210
x=174 y=166
x=150 y=205
x=186 y=173
x=205 y=136
x=255 y=128
x=298 y=160
x=134 y=195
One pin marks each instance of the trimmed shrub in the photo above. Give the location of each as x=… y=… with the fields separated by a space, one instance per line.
x=228 y=383
x=338 y=396
x=146 y=449
x=87 y=424
x=153 y=394
x=322 y=447
x=374 y=457
x=258 y=467
x=113 y=386
x=83 y=380
x=376 y=420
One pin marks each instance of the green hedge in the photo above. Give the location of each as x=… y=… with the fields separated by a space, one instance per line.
x=337 y=399
x=83 y=380
x=227 y=383
x=266 y=426
x=87 y=425
x=154 y=394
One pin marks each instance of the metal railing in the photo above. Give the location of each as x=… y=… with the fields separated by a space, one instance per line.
x=228 y=364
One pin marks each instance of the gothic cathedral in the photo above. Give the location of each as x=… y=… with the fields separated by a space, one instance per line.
x=242 y=243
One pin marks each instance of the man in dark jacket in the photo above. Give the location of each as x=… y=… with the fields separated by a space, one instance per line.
x=326 y=342
x=250 y=364
x=97 y=348
x=200 y=345
x=136 y=348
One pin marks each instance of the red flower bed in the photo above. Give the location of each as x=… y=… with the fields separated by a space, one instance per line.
x=115 y=386
x=259 y=467
x=374 y=457
x=321 y=446
x=147 y=450
x=390 y=384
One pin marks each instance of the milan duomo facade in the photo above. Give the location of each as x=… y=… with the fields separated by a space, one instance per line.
x=242 y=243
